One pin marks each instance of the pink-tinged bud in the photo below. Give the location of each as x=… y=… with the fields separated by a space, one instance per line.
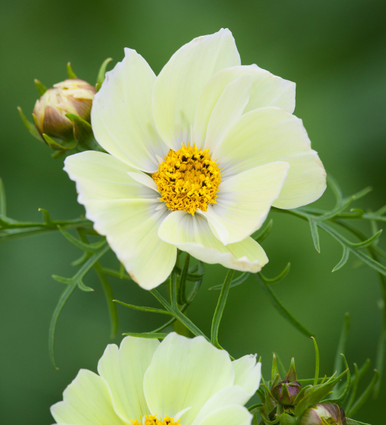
x=71 y=96
x=324 y=414
x=285 y=392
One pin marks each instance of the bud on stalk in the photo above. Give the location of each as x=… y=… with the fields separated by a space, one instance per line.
x=71 y=96
x=323 y=414
x=286 y=392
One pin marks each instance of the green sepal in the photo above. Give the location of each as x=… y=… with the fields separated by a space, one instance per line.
x=101 y=73
x=314 y=394
x=286 y=419
x=54 y=144
x=344 y=393
x=40 y=87
x=29 y=125
x=291 y=374
x=350 y=421
x=275 y=374
x=82 y=129
x=365 y=395
x=70 y=73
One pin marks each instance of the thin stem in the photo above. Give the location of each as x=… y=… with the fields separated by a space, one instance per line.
x=178 y=314
x=218 y=313
x=182 y=282
x=109 y=299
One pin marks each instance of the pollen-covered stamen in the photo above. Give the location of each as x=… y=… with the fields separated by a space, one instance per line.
x=188 y=179
x=153 y=420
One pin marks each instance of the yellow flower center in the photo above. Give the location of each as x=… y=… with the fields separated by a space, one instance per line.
x=188 y=179
x=153 y=420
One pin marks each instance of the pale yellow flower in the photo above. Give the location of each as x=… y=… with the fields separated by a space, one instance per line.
x=178 y=381
x=196 y=157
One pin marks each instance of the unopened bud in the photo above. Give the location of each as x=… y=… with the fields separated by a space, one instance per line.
x=324 y=414
x=71 y=96
x=286 y=392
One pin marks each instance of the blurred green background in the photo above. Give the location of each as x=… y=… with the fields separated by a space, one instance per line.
x=336 y=53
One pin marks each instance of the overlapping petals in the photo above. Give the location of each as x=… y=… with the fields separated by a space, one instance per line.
x=187 y=379
x=203 y=96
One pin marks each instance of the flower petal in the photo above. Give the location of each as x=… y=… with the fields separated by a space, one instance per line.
x=227 y=111
x=305 y=183
x=86 y=401
x=270 y=90
x=101 y=176
x=193 y=235
x=123 y=369
x=271 y=134
x=182 y=79
x=131 y=229
x=121 y=114
x=244 y=201
x=265 y=89
x=184 y=373
x=230 y=415
x=247 y=373
x=225 y=397
x=126 y=212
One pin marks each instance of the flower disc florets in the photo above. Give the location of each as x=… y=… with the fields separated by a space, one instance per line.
x=153 y=420
x=188 y=179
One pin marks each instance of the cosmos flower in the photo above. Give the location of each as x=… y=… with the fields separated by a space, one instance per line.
x=179 y=381
x=196 y=157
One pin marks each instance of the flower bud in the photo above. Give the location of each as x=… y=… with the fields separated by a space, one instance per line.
x=71 y=96
x=285 y=392
x=324 y=414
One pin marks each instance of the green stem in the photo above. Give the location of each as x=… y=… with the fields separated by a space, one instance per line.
x=109 y=299
x=178 y=314
x=218 y=313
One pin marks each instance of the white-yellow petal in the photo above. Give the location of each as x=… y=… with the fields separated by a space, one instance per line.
x=184 y=374
x=272 y=134
x=86 y=401
x=225 y=397
x=230 y=415
x=102 y=176
x=265 y=89
x=182 y=79
x=131 y=228
x=121 y=114
x=305 y=182
x=227 y=111
x=193 y=235
x=123 y=370
x=127 y=212
x=244 y=201
x=247 y=373
x=270 y=90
